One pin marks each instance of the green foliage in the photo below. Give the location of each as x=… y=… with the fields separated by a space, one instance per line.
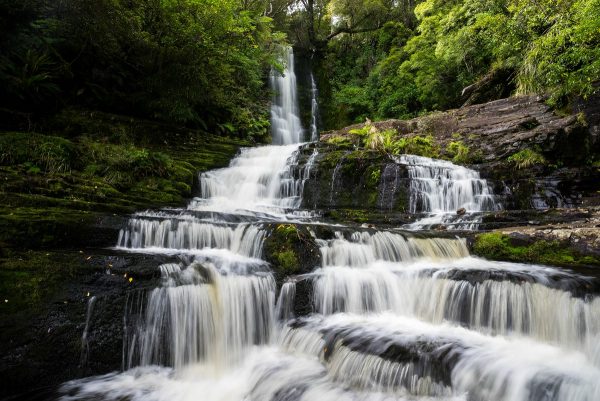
x=565 y=60
x=418 y=145
x=375 y=177
x=383 y=141
x=200 y=63
x=462 y=154
x=407 y=68
x=123 y=165
x=526 y=158
x=499 y=246
x=38 y=152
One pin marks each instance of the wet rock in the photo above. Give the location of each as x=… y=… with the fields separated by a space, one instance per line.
x=573 y=244
x=355 y=179
x=461 y=211
x=291 y=250
x=500 y=128
x=42 y=344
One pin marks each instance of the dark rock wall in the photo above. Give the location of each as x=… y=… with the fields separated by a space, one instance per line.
x=355 y=179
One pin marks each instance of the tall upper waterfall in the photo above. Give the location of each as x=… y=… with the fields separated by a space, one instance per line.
x=314 y=109
x=286 y=127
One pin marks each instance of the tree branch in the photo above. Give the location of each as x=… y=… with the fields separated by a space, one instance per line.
x=351 y=30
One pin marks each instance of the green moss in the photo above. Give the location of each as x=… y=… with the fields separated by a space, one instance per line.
x=340 y=140
x=499 y=246
x=287 y=261
x=355 y=215
x=331 y=159
x=281 y=248
x=51 y=181
x=417 y=145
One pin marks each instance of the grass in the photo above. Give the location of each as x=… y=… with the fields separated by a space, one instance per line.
x=37 y=152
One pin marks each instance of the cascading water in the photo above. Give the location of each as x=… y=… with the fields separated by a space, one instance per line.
x=286 y=127
x=314 y=109
x=395 y=315
x=441 y=188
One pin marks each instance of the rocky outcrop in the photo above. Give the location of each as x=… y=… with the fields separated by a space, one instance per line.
x=346 y=178
x=500 y=128
x=560 y=171
x=44 y=316
x=573 y=240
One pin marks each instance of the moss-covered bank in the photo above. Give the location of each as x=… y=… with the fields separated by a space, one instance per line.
x=55 y=186
x=499 y=246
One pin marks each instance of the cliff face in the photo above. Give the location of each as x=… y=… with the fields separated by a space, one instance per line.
x=498 y=140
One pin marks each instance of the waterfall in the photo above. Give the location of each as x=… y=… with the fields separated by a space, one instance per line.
x=440 y=188
x=490 y=306
x=285 y=124
x=314 y=109
x=284 y=310
x=182 y=235
x=402 y=355
x=388 y=186
x=199 y=314
x=389 y=315
x=363 y=248
x=85 y=343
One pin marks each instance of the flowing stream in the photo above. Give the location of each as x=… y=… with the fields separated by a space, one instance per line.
x=396 y=315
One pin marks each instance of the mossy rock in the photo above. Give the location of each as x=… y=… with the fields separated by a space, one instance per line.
x=291 y=250
x=499 y=246
x=43 y=320
x=353 y=179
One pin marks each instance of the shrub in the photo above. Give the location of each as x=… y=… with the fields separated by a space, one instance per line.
x=418 y=145
x=123 y=164
x=526 y=158
x=382 y=140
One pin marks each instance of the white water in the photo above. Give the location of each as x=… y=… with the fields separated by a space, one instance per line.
x=440 y=188
x=85 y=344
x=373 y=353
x=285 y=123
x=259 y=181
x=199 y=315
x=396 y=316
x=314 y=109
